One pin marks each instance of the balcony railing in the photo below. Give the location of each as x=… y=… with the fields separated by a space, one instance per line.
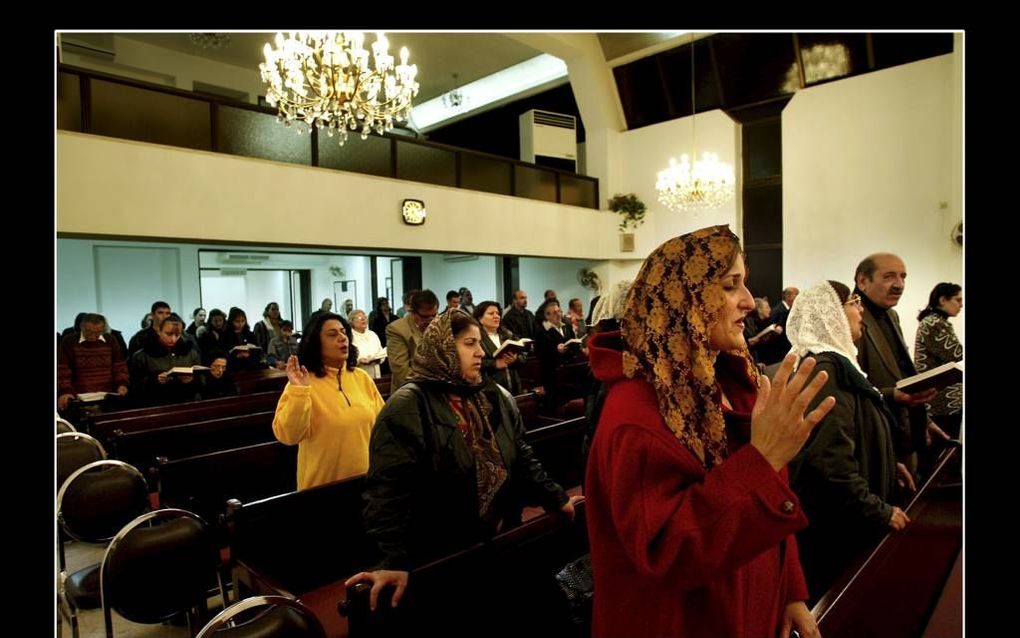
x=91 y=102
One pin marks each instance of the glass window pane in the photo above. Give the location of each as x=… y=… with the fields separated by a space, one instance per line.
x=763 y=215
x=370 y=156
x=484 y=174
x=577 y=191
x=535 y=183
x=423 y=164
x=145 y=115
x=68 y=102
x=254 y=134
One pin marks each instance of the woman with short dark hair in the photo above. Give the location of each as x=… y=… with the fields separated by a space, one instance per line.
x=504 y=369
x=328 y=412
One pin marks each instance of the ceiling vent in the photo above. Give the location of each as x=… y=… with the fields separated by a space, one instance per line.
x=459 y=258
x=243 y=258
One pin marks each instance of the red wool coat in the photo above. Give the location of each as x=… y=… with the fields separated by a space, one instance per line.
x=678 y=551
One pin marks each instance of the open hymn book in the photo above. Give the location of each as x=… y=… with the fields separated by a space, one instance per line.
x=186 y=369
x=513 y=346
x=772 y=327
x=945 y=375
x=245 y=347
x=89 y=397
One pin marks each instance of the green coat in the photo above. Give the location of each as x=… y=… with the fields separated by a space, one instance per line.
x=845 y=475
x=421 y=492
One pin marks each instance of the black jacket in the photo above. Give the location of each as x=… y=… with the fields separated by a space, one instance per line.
x=147 y=364
x=421 y=493
x=845 y=476
x=507 y=377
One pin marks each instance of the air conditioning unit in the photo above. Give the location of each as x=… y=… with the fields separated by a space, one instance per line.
x=93 y=45
x=549 y=139
x=237 y=258
x=459 y=258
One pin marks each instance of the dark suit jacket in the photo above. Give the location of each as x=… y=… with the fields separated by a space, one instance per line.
x=878 y=359
x=777 y=347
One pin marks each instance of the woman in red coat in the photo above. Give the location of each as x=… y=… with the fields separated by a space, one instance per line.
x=690 y=516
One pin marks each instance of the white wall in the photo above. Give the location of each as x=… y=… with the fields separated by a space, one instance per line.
x=646 y=151
x=868 y=167
x=177 y=193
x=538 y=275
x=478 y=276
x=122 y=279
x=141 y=61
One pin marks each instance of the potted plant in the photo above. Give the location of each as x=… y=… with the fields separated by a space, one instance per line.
x=630 y=208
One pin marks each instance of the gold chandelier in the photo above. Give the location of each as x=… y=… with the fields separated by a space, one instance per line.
x=695 y=184
x=327 y=79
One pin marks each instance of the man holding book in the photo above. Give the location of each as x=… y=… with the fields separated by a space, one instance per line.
x=883 y=355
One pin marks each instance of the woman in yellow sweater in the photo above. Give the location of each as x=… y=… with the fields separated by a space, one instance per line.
x=328 y=412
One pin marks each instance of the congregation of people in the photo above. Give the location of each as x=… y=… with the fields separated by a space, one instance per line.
x=739 y=455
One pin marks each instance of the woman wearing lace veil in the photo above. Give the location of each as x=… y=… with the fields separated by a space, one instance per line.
x=690 y=517
x=846 y=474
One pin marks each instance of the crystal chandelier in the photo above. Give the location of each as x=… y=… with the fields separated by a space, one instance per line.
x=705 y=184
x=329 y=80
x=455 y=98
x=209 y=40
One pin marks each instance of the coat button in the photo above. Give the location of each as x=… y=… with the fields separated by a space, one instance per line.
x=787 y=507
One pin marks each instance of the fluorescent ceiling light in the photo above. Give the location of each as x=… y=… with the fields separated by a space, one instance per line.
x=490 y=89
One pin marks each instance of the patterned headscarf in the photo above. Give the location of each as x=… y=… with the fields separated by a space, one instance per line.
x=437 y=364
x=670 y=311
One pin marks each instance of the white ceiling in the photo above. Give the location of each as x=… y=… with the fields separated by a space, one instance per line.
x=438 y=55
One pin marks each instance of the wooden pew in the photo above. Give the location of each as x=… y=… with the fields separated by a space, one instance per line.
x=505 y=587
x=529 y=405
x=149 y=418
x=301 y=544
x=530 y=373
x=262 y=380
x=293 y=543
x=203 y=483
x=894 y=589
x=558 y=447
x=141 y=449
x=384 y=384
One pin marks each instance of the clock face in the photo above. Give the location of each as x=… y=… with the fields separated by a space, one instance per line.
x=414 y=211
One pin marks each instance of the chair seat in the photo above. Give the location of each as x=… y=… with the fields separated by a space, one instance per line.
x=82 y=588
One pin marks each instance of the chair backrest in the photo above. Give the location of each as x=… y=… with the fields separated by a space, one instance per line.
x=152 y=571
x=97 y=500
x=75 y=450
x=263 y=616
x=64 y=427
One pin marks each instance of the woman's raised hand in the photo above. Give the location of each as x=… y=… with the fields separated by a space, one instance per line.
x=297 y=374
x=779 y=427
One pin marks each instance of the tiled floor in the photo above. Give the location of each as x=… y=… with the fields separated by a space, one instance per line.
x=90 y=621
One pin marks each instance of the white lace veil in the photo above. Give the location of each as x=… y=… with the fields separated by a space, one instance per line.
x=611 y=304
x=818 y=324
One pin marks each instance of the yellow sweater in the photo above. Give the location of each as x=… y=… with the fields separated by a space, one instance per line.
x=331 y=427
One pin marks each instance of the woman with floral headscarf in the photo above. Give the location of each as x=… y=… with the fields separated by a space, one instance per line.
x=690 y=517
x=846 y=474
x=448 y=465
